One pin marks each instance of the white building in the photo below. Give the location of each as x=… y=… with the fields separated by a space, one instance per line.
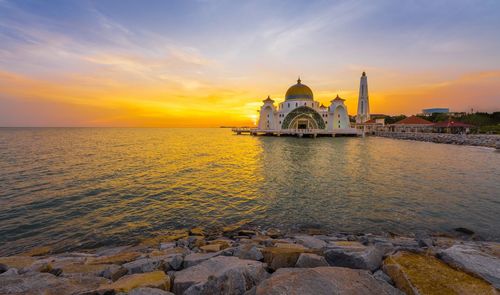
x=299 y=111
x=363 y=102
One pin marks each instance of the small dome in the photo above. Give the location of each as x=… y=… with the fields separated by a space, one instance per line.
x=299 y=91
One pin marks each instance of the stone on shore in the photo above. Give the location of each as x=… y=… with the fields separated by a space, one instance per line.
x=278 y=257
x=196 y=258
x=323 y=280
x=219 y=275
x=369 y=258
x=157 y=279
x=471 y=259
x=422 y=274
x=308 y=260
x=248 y=251
x=146 y=265
x=310 y=242
x=39 y=283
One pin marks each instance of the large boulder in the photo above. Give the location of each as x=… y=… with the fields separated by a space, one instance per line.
x=219 y=275
x=40 y=283
x=369 y=258
x=311 y=260
x=471 y=259
x=422 y=274
x=323 y=280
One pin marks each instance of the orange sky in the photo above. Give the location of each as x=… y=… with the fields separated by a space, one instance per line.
x=103 y=67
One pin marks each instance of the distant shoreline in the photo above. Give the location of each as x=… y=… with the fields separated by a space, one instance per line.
x=483 y=140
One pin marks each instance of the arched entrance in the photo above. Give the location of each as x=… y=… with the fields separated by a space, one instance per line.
x=303 y=118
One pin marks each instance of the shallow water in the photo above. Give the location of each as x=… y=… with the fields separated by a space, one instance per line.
x=87 y=187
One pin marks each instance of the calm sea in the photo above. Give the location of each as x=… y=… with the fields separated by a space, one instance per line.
x=87 y=187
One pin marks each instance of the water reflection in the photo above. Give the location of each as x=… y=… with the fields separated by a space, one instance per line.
x=88 y=187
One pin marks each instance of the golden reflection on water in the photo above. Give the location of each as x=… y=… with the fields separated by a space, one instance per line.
x=93 y=186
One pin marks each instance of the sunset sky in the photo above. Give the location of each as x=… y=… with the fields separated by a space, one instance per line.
x=210 y=63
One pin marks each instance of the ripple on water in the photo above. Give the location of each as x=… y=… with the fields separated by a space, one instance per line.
x=89 y=187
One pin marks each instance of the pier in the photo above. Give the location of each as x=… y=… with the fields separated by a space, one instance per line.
x=299 y=132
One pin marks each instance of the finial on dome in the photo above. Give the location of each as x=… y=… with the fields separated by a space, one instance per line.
x=298 y=80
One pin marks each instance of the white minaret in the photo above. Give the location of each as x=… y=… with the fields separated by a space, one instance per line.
x=363 y=103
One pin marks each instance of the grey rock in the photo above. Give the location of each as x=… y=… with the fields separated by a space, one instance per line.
x=370 y=258
x=382 y=276
x=323 y=281
x=39 y=283
x=310 y=242
x=10 y=272
x=145 y=265
x=114 y=272
x=196 y=258
x=219 y=275
x=471 y=259
x=175 y=262
x=311 y=260
x=248 y=251
x=149 y=291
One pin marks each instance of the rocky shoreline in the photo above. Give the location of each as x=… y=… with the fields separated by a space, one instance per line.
x=485 y=140
x=251 y=261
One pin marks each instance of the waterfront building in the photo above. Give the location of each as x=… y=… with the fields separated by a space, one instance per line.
x=411 y=124
x=363 y=114
x=299 y=111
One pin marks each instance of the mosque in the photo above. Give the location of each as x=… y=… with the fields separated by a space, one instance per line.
x=300 y=114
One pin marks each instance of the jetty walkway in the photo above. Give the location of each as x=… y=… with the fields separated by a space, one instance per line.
x=299 y=132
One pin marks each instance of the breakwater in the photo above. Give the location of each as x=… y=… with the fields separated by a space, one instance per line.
x=253 y=261
x=485 y=140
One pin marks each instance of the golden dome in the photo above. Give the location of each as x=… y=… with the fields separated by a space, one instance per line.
x=299 y=91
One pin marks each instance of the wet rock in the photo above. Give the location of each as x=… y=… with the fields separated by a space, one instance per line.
x=310 y=260
x=248 y=251
x=157 y=279
x=149 y=291
x=471 y=259
x=323 y=280
x=277 y=257
x=310 y=242
x=421 y=274
x=369 y=258
x=196 y=258
x=38 y=283
x=219 y=275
